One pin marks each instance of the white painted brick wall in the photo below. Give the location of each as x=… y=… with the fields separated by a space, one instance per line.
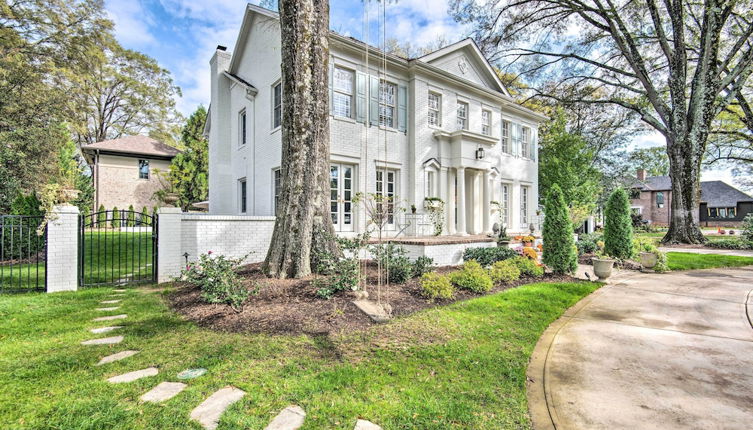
x=232 y=236
x=62 y=250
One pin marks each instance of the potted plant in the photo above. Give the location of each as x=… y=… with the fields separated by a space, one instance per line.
x=602 y=265
x=413 y=209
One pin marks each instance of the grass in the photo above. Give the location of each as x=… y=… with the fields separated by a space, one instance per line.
x=690 y=261
x=458 y=366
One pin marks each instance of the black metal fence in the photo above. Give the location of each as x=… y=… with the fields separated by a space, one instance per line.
x=117 y=248
x=23 y=254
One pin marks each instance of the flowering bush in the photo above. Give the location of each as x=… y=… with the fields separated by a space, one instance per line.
x=529 y=252
x=218 y=279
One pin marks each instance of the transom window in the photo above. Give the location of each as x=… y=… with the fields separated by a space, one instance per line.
x=277 y=105
x=462 y=116
x=342 y=96
x=143 y=169
x=435 y=109
x=486 y=122
x=506 y=137
x=385 y=191
x=387 y=101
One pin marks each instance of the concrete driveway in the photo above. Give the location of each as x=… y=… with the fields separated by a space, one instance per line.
x=650 y=351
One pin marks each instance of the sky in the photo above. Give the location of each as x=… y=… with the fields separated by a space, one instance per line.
x=183 y=34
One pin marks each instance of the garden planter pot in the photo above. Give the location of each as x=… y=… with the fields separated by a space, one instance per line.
x=649 y=260
x=602 y=267
x=171 y=199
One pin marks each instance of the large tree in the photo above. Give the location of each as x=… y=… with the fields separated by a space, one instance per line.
x=653 y=160
x=676 y=64
x=303 y=216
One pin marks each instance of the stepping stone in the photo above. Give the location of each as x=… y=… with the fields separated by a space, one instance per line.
x=111 y=317
x=191 y=373
x=163 y=391
x=109 y=302
x=209 y=411
x=117 y=356
x=105 y=329
x=291 y=418
x=366 y=425
x=108 y=309
x=120 y=291
x=373 y=310
x=103 y=341
x=132 y=376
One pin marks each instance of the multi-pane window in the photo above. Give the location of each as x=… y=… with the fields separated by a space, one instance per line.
x=385 y=191
x=341 y=196
x=486 y=122
x=278 y=187
x=435 y=109
x=506 y=137
x=342 y=95
x=143 y=169
x=660 y=199
x=525 y=142
x=387 y=100
x=524 y=191
x=242 y=195
x=277 y=105
x=505 y=205
x=462 y=116
x=242 y=127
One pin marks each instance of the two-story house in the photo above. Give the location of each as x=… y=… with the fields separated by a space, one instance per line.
x=441 y=125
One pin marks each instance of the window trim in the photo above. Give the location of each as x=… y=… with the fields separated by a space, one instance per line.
x=242 y=196
x=350 y=95
x=144 y=162
x=438 y=109
x=274 y=106
x=242 y=128
x=464 y=118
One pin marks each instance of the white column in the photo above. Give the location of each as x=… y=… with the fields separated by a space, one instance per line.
x=485 y=205
x=461 y=201
x=443 y=186
x=450 y=201
x=169 y=233
x=62 y=250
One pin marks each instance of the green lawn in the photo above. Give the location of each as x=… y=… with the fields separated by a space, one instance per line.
x=690 y=261
x=458 y=366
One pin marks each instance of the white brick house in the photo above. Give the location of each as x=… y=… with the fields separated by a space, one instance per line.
x=441 y=125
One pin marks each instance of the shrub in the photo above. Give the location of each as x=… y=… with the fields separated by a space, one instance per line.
x=618 y=230
x=131 y=217
x=585 y=246
x=218 y=279
x=422 y=265
x=144 y=214
x=529 y=252
x=102 y=215
x=473 y=277
x=395 y=264
x=747 y=227
x=504 y=271
x=346 y=277
x=115 y=222
x=560 y=252
x=436 y=286
x=528 y=267
x=490 y=255
x=730 y=244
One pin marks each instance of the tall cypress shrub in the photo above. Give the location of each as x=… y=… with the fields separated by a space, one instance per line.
x=131 y=217
x=618 y=227
x=144 y=215
x=115 y=222
x=559 y=246
x=102 y=216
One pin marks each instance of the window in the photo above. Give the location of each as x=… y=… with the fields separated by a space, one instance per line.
x=242 y=195
x=712 y=213
x=506 y=137
x=524 y=191
x=143 y=169
x=722 y=212
x=435 y=109
x=486 y=122
x=462 y=116
x=525 y=142
x=504 y=215
x=660 y=199
x=341 y=196
x=278 y=187
x=635 y=193
x=732 y=212
x=385 y=191
x=431 y=184
x=277 y=105
x=242 y=127
x=342 y=95
x=387 y=100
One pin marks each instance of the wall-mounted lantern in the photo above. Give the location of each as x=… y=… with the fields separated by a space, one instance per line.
x=480 y=154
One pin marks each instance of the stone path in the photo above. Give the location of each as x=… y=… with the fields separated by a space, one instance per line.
x=103 y=341
x=133 y=376
x=208 y=413
x=110 y=318
x=291 y=418
x=109 y=302
x=101 y=330
x=163 y=392
x=108 y=309
x=117 y=356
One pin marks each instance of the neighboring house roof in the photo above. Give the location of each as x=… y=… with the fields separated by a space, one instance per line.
x=133 y=145
x=713 y=193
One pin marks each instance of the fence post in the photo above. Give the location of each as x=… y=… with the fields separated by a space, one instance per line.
x=169 y=260
x=62 y=250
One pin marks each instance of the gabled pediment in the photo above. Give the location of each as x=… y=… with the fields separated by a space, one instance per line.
x=465 y=60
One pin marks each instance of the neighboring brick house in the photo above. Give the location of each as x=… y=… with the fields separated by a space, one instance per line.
x=125 y=170
x=441 y=125
x=722 y=205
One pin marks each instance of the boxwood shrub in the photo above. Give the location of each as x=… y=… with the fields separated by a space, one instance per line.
x=473 y=277
x=436 y=286
x=490 y=255
x=528 y=267
x=504 y=271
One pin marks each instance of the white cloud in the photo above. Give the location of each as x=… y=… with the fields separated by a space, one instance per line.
x=131 y=22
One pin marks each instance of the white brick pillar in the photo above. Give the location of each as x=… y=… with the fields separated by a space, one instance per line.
x=62 y=250
x=461 y=201
x=485 y=205
x=169 y=233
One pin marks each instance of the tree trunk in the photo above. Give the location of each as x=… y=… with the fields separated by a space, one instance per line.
x=685 y=173
x=303 y=215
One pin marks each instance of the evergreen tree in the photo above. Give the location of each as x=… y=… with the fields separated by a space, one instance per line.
x=115 y=217
x=559 y=246
x=131 y=217
x=618 y=227
x=144 y=215
x=101 y=215
x=188 y=175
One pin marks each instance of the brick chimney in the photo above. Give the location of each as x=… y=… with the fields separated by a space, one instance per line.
x=641 y=174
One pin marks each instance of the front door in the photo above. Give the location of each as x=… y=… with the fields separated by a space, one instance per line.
x=341 y=196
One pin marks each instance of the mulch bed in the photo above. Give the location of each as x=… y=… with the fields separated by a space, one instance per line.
x=291 y=306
